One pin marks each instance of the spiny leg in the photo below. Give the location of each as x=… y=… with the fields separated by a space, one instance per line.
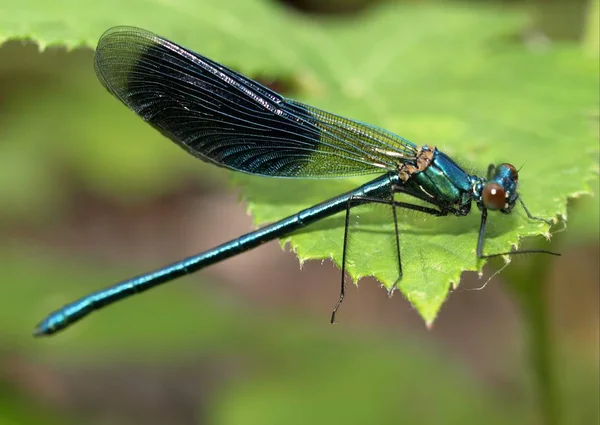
x=359 y=200
x=391 y=290
x=420 y=208
x=481 y=239
x=531 y=217
x=490 y=171
x=344 y=248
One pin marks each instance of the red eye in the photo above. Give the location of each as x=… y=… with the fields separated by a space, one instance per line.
x=493 y=196
x=513 y=171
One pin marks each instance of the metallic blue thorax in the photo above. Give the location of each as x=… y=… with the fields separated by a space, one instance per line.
x=444 y=182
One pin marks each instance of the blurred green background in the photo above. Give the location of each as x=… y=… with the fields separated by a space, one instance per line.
x=90 y=195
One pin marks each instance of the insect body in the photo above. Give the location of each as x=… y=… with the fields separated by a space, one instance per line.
x=224 y=118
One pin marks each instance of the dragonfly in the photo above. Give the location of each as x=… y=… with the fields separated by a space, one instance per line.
x=224 y=118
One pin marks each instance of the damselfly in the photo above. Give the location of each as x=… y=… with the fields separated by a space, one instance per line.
x=226 y=119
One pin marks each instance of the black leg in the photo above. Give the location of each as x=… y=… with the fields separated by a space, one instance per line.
x=531 y=217
x=420 y=208
x=359 y=200
x=482 y=237
x=344 y=248
x=490 y=172
x=400 y=273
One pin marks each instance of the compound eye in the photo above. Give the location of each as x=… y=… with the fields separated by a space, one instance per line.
x=494 y=196
x=513 y=171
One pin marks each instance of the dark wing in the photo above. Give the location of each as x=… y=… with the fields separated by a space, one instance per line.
x=220 y=116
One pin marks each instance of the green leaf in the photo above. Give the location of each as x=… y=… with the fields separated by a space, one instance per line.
x=446 y=76
x=466 y=91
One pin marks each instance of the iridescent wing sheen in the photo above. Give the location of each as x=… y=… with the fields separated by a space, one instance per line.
x=222 y=117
